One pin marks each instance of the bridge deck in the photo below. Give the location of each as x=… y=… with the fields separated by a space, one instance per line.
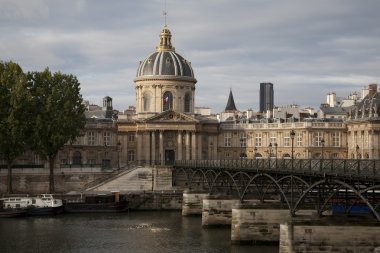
x=368 y=170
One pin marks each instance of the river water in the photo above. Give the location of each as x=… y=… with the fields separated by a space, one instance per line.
x=135 y=232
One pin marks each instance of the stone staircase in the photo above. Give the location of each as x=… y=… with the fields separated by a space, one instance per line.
x=134 y=179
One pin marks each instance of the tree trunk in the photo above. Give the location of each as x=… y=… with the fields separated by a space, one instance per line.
x=10 y=188
x=51 y=174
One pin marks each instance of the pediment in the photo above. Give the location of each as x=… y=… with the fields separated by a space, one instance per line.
x=171 y=116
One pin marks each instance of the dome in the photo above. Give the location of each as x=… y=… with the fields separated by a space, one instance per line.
x=165 y=61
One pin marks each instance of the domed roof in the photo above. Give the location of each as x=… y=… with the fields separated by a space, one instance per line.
x=165 y=61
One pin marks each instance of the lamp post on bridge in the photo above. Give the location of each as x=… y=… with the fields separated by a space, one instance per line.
x=357 y=151
x=118 y=154
x=292 y=135
x=275 y=150
x=323 y=145
x=241 y=151
x=270 y=151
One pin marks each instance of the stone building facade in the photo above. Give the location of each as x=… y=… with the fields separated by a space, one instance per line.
x=164 y=127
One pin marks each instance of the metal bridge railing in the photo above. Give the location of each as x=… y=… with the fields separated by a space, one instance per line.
x=336 y=167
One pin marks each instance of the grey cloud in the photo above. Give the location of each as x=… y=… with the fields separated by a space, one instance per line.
x=303 y=47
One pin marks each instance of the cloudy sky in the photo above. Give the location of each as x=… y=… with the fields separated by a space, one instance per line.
x=305 y=48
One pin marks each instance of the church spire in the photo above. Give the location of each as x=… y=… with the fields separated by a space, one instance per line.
x=230 y=107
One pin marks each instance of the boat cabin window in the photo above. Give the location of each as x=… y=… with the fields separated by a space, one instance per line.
x=17 y=205
x=33 y=201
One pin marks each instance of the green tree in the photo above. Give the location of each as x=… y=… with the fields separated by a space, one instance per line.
x=59 y=116
x=14 y=115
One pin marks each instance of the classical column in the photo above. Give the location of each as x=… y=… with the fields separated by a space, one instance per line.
x=209 y=148
x=124 y=149
x=193 y=146
x=179 y=145
x=161 y=152
x=139 y=146
x=153 y=145
x=187 y=145
x=147 y=147
x=199 y=144
x=215 y=151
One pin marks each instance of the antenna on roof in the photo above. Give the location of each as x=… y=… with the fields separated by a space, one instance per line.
x=164 y=12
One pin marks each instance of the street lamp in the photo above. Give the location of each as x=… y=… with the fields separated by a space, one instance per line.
x=118 y=154
x=275 y=148
x=357 y=151
x=292 y=135
x=270 y=150
x=241 y=150
x=323 y=145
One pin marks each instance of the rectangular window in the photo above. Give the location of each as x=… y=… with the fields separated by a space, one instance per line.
x=243 y=140
x=286 y=139
x=336 y=139
x=258 y=140
x=317 y=139
x=131 y=155
x=106 y=138
x=131 y=137
x=273 y=137
x=91 y=161
x=91 y=138
x=227 y=139
x=299 y=139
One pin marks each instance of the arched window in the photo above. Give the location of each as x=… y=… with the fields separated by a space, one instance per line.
x=187 y=102
x=146 y=99
x=167 y=101
x=77 y=158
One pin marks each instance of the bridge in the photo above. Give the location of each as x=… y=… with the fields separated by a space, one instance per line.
x=299 y=183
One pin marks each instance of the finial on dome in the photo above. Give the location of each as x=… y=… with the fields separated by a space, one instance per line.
x=164 y=12
x=165 y=36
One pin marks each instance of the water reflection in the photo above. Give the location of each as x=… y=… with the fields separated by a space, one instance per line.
x=154 y=232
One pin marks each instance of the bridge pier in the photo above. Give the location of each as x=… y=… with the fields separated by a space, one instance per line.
x=217 y=210
x=192 y=202
x=329 y=234
x=259 y=223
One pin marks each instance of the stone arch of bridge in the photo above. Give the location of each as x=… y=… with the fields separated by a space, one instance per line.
x=341 y=183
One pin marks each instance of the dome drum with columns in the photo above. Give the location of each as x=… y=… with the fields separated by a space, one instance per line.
x=164 y=81
x=165 y=127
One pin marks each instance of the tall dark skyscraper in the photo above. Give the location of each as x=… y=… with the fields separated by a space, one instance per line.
x=266 y=96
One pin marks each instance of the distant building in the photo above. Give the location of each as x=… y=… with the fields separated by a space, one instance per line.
x=266 y=97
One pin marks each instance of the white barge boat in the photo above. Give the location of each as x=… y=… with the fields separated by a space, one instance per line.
x=40 y=205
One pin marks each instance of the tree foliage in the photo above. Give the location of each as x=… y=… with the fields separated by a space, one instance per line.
x=59 y=114
x=15 y=115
